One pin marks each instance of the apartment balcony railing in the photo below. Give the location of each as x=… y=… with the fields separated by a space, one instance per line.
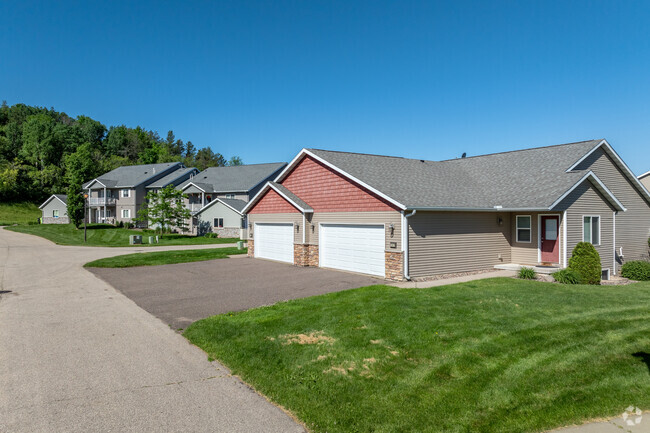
x=101 y=201
x=194 y=207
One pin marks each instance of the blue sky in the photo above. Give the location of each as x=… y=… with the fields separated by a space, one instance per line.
x=262 y=79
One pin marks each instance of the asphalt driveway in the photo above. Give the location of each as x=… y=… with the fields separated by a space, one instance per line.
x=184 y=293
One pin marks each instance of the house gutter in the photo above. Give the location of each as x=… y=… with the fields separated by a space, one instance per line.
x=405 y=243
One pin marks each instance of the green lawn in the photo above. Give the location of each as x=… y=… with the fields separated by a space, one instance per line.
x=19 y=213
x=497 y=355
x=103 y=235
x=164 y=258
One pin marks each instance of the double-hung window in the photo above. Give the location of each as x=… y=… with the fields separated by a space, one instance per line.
x=126 y=193
x=524 y=231
x=55 y=213
x=230 y=195
x=218 y=222
x=126 y=213
x=591 y=229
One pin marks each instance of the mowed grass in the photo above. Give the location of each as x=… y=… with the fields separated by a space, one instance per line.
x=19 y=213
x=497 y=355
x=164 y=258
x=104 y=235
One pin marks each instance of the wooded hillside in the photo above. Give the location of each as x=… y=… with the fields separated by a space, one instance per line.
x=43 y=150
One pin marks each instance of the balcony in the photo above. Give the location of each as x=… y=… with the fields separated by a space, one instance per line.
x=194 y=207
x=101 y=201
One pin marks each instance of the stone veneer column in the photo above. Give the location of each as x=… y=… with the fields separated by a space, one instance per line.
x=394 y=266
x=251 y=248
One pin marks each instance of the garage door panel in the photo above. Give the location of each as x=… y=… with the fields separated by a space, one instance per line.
x=357 y=248
x=274 y=241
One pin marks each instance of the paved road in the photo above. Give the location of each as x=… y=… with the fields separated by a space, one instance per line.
x=183 y=293
x=78 y=356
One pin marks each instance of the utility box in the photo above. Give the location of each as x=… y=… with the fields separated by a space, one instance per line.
x=135 y=239
x=151 y=239
x=240 y=245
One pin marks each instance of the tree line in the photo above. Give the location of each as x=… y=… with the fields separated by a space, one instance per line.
x=43 y=151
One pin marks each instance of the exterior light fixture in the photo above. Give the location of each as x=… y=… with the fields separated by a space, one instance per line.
x=391 y=226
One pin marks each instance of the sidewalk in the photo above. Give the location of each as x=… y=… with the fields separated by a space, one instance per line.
x=453 y=280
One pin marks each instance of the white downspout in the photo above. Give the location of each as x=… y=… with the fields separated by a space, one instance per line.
x=405 y=244
x=105 y=198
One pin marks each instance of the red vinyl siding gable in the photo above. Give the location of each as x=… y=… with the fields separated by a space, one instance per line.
x=325 y=190
x=272 y=202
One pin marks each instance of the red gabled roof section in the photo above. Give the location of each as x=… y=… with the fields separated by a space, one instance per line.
x=272 y=202
x=329 y=191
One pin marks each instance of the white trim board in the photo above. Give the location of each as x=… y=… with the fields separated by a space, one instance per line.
x=262 y=191
x=215 y=201
x=305 y=152
x=598 y=184
x=626 y=170
x=50 y=199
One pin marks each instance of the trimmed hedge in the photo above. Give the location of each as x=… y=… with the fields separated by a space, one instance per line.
x=585 y=260
x=567 y=276
x=637 y=270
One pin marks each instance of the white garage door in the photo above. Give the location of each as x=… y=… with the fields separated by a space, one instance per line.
x=357 y=248
x=274 y=241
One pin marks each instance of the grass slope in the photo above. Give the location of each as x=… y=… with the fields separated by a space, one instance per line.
x=164 y=258
x=497 y=355
x=103 y=235
x=19 y=213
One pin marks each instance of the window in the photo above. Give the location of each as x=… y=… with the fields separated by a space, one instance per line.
x=591 y=229
x=126 y=213
x=230 y=195
x=218 y=222
x=108 y=213
x=523 y=228
x=126 y=193
x=55 y=213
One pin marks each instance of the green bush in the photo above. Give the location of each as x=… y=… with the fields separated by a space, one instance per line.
x=211 y=235
x=567 y=276
x=527 y=273
x=637 y=270
x=585 y=260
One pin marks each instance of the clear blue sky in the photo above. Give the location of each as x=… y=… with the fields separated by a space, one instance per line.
x=263 y=79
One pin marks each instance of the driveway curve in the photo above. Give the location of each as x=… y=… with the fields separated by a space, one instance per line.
x=78 y=356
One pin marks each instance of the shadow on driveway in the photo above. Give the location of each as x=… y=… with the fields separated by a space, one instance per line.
x=184 y=293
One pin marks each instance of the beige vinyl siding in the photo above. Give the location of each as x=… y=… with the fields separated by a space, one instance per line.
x=237 y=195
x=528 y=253
x=231 y=218
x=633 y=225
x=55 y=203
x=646 y=182
x=295 y=218
x=585 y=200
x=449 y=242
x=385 y=218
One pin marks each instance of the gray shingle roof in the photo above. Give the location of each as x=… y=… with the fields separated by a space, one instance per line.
x=530 y=178
x=62 y=197
x=130 y=176
x=291 y=196
x=238 y=178
x=171 y=177
x=234 y=203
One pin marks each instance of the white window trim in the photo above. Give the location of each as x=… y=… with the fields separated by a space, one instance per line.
x=600 y=233
x=128 y=212
x=230 y=196
x=125 y=193
x=217 y=225
x=55 y=213
x=530 y=229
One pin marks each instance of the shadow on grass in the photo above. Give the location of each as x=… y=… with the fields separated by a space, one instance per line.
x=645 y=357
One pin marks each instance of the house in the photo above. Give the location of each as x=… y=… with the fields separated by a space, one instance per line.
x=401 y=218
x=55 y=209
x=645 y=180
x=119 y=194
x=233 y=187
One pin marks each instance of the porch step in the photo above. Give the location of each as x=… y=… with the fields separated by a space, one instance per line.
x=539 y=269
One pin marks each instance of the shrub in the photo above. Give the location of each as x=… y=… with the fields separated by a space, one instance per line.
x=585 y=260
x=637 y=270
x=567 y=276
x=527 y=273
x=211 y=235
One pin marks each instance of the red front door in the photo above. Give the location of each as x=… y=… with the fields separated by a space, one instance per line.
x=550 y=244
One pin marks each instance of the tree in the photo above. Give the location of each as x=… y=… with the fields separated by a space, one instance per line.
x=207 y=158
x=235 y=160
x=165 y=209
x=80 y=166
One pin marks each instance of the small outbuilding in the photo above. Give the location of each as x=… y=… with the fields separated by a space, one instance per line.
x=55 y=209
x=222 y=216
